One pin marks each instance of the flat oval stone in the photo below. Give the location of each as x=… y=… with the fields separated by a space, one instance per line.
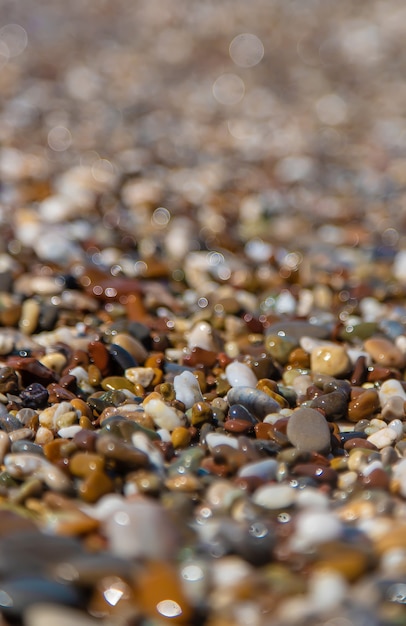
x=333 y=405
x=330 y=359
x=112 y=448
x=308 y=431
x=257 y=402
x=274 y=496
x=384 y=352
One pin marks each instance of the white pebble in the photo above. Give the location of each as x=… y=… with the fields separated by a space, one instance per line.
x=368 y=469
x=68 y=432
x=187 y=389
x=240 y=375
x=140 y=529
x=327 y=590
x=274 y=496
x=164 y=416
x=229 y=571
x=218 y=439
x=311 y=498
x=201 y=336
x=389 y=388
x=265 y=469
x=314 y=527
x=382 y=437
x=140 y=375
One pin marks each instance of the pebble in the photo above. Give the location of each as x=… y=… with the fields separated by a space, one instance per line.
x=314 y=528
x=163 y=415
x=308 y=431
x=384 y=352
x=240 y=375
x=187 y=389
x=140 y=529
x=383 y=437
x=202 y=336
x=275 y=496
x=332 y=360
x=257 y=402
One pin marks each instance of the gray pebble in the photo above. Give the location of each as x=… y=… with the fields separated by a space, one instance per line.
x=256 y=401
x=308 y=431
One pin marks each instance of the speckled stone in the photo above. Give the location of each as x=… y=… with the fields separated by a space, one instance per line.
x=308 y=431
x=257 y=402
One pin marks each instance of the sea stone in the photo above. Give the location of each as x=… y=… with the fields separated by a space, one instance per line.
x=330 y=359
x=240 y=375
x=308 y=431
x=384 y=352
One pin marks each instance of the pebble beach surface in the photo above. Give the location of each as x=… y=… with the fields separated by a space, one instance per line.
x=202 y=313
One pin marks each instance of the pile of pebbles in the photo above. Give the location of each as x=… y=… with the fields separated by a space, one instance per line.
x=202 y=314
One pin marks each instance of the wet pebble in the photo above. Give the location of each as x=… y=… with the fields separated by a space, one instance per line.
x=308 y=431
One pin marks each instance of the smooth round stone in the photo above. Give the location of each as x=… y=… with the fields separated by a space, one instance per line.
x=255 y=401
x=187 y=389
x=24 y=465
x=308 y=431
x=330 y=359
x=333 y=404
x=22 y=445
x=240 y=375
x=384 y=352
x=274 y=496
x=95 y=485
x=82 y=464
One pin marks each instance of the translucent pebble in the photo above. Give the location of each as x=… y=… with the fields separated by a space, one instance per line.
x=240 y=375
x=397 y=426
x=187 y=389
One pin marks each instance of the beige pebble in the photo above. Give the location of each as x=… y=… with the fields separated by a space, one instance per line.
x=383 y=437
x=330 y=359
x=4 y=444
x=30 y=312
x=55 y=361
x=384 y=352
x=140 y=375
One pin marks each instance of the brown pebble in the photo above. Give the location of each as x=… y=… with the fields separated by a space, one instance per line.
x=114 y=449
x=31 y=370
x=132 y=345
x=100 y=356
x=54 y=450
x=85 y=440
x=199 y=356
x=82 y=464
x=180 y=437
x=238 y=426
x=59 y=394
x=384 y=352
x=318 y=472
x=364 y=406
x=378 y=374
x=358 y=442
x=94 y=486
x=377 y=479
x=360 y=371
x=348 y=560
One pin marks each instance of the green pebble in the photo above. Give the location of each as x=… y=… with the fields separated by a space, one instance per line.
x=280 y=347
